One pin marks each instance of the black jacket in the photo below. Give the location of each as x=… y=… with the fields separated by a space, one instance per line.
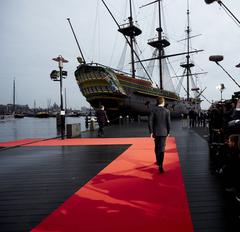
x=101 y=117
x=159 y=121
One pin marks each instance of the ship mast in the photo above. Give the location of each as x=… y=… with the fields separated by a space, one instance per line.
x=160 y=49
x=131 y=40
x=159 y=43
x=189 y=64
x=131 y=31
x=14 y=96
x=127 y=31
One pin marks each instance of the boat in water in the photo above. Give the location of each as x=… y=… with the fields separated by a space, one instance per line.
x=6 y=117
x=19 y=115
x=42 y=114
x=13 y=114
x=129 y=95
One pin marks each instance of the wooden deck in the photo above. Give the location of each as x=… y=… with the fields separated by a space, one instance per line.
x=36 y=180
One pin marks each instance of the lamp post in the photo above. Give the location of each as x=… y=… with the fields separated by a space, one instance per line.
x=236 y=20
x=221 y=87
x=217 y=59
x=57 y=76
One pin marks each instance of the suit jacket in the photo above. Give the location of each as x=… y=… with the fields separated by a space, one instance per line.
x=101 y=117
x=159 y=121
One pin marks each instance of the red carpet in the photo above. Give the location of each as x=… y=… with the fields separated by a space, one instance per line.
x=128 y=195
x=17 y=142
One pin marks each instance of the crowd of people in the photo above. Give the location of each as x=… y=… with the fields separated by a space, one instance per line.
x=197 y=118
x=224 y=144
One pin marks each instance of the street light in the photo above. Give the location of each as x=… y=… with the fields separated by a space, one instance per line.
x=221 y=87
x=225 y=8
x=57 y=76
x=217 y=59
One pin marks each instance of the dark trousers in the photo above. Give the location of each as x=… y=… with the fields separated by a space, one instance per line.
x=100 y=129
x=160 y=142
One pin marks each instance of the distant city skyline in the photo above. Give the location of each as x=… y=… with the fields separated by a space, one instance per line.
x=33 y=32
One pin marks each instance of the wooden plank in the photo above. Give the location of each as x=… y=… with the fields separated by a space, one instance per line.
x=36 y=180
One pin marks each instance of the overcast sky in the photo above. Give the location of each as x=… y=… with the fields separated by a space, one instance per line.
x=33 y=32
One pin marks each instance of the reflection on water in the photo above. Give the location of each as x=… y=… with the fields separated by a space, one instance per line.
x=22 y=128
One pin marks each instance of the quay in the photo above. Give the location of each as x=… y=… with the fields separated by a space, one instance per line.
x=112 y=184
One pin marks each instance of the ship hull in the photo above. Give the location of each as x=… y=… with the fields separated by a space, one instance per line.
x=121 y=94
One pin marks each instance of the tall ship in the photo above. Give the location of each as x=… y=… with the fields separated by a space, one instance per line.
x=129 y=95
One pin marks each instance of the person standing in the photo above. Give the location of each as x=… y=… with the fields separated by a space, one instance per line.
x=102 y=120
x=159 y=126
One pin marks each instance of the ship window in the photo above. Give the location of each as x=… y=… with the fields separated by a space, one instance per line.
x=98 y=88
x=89 y=76
x=107 y=88
x=102 y=74
x=83 y=77
x=96 y=75
x=112 y=88
x=99 y=75
x=94 y=89
x=79 y=78
x=93 y=76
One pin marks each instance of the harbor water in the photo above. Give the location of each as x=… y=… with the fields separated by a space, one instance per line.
x=29 y=127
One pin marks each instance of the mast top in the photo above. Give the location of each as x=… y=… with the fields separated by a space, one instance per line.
x=129 y=30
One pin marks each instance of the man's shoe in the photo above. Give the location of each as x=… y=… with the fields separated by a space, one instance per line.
x=161 y=170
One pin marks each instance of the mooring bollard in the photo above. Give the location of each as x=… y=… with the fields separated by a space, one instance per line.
x=86 y=122
x=92 y=125
x=73 y=130
x=120 y=119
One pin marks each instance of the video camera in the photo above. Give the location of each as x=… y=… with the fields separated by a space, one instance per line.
x=236 y=96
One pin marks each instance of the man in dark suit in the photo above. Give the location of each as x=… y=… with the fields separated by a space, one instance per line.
x=102 y=120
x=159 y=126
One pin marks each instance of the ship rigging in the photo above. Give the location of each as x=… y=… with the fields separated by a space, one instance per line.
x=130 y=95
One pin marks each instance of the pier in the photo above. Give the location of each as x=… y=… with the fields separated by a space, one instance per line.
x=112 y=183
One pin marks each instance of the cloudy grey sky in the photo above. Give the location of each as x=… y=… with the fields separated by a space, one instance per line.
x=34 y=31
